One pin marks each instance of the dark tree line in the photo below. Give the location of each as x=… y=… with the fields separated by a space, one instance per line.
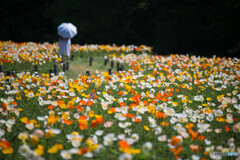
x=170 y=26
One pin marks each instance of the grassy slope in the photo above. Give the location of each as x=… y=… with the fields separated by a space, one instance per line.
x=81 y=64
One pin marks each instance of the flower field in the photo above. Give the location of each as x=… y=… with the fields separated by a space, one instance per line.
x=160 y=107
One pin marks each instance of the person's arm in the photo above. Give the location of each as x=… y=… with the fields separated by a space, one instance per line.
x=60 y=38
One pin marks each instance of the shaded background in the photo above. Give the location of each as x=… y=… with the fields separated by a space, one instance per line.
x=204 y=27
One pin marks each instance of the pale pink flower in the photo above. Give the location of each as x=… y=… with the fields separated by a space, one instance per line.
x=38 y=133
x=108 y=124
x=236 y=128
x=218 y=130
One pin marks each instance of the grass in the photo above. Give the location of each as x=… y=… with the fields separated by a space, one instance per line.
x=81 y=64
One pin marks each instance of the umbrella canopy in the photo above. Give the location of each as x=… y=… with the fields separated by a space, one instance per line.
x=67 y=30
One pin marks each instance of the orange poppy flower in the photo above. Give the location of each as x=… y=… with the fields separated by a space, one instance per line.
x=133 y=92
x=165 y=123
x=177 y=150
x=127 y=81
x=122 y=104
x=201 y=137
x=4 y=106
x=112 y=110
x=99 y=119
x=164 y=94
x=4 y=144
x=83 y=117
x=14 y=103
x=154 y=102
x=83 y=151
x=128 y=115
x=177 y=157
x=60 y=102
x=82 y=102
x=137 y=98
x=145 y=103
x=120 y=93
x=163 y=99
x=71 y=107
x=80 y=109
x=175 y=141
x=124 y=115
x=82 y=124
x=83 y=80
x=93 y=124
x=227 y=129
x=34 y=80
x=159 y=94
x=68 y=122
x=189 y=125
x=160 y=115
x=89 y=103
x=50 y=107
x=193 y=134
x=137 y=120
x=154 y=72
x=123 y=144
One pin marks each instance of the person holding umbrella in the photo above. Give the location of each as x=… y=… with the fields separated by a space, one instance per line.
x=64 y=48
x=66 y=31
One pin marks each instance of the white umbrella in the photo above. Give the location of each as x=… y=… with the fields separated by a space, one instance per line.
x=67 y=30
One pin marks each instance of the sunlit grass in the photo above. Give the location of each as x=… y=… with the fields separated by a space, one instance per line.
x=79 y=65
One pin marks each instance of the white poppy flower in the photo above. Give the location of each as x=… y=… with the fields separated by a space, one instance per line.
x=23 y=150
x=125 y=156
x=99 y=132
x=147 y=147
x=66 y=154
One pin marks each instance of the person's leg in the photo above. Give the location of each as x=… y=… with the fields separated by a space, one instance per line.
x=68 y=59
x=62 y=57
x=67 y=64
